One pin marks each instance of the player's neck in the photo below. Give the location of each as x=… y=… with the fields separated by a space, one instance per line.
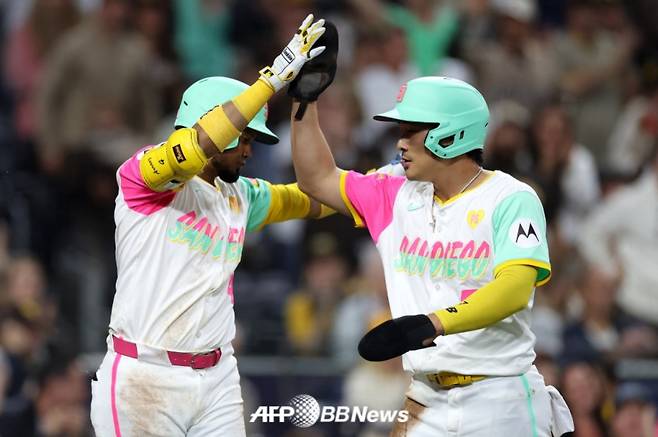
x=208 y=174
x=456 y=178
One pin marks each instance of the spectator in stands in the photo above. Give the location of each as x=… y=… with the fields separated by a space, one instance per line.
x=565 y=172
x=596 y=334
x=26 y=292
x=549 y=368
x=593 y=67
x=429 y=27
x=16 y=410
x=27 y=48
x=515 y=64
x=19 y=339
x=378 y=386
x=584 y=388
x=97 y=91
x=355 y=313
x=62 y=401
x=378 y=84
x=154 y=21
x=201 y=38
x=620 y=238
x=4 y=247
x=635 y=414
x=602 y=332
x=635 y=133
x=508 y=144
x=27 y=313
x=310 y=311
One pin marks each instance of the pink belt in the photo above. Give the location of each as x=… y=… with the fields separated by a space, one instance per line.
x=195 y=361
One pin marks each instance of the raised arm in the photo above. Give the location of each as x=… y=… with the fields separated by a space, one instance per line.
x=315 y=168
x=188 y=149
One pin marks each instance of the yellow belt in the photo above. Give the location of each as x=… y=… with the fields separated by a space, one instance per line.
x=449 y=379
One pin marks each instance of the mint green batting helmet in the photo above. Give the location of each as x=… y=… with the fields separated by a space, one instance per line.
x=459 y=109
x=205 y=94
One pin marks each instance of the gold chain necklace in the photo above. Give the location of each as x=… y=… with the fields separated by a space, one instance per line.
x=468 y=184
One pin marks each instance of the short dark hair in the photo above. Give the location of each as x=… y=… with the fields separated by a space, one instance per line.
x=477 y=156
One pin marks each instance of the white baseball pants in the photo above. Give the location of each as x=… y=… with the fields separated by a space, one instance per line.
x=137 y=398
x=514 y=406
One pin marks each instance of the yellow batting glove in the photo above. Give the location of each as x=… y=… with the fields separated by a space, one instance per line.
x=299 y=50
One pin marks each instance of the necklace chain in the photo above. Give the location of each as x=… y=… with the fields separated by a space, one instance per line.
x=468 y=184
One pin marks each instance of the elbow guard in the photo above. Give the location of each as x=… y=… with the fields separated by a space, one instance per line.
x=169 y=165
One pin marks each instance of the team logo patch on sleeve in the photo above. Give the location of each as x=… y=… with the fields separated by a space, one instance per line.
x=524 y=233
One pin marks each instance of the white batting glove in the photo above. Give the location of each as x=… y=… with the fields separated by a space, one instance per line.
x=287 y=65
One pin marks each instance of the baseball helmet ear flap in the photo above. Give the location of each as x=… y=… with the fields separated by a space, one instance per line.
x=448 y=145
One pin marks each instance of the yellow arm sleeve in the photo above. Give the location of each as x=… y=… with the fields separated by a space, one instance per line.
x=217 y=124
x=507 y=294
x=288 y=203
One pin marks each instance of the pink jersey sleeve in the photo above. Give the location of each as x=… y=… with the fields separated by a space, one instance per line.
x=137 y=195
x=370 y=199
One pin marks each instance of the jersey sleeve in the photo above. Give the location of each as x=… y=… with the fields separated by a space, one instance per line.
x=271 y=203
x=137 y=195
x=370 y=199
x=519 y=234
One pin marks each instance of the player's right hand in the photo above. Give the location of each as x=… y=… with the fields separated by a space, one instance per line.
x=299 y=50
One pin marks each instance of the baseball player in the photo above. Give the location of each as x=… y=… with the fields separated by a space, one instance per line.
x=463 y=249
x=181 y=216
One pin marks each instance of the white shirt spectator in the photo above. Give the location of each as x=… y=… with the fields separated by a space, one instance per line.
x=621 y=237
x=581 y=190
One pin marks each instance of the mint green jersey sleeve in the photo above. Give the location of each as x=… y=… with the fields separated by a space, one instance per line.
x=259 y=196
x=519 y=234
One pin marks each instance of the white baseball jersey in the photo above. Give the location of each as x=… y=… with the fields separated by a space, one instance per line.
x=176 y=252
x=435 y=254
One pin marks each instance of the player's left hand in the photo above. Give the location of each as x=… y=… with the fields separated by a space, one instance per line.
x=299 y=50
x=396 y=337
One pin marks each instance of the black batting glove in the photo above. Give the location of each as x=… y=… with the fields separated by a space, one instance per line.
x=318 y=73
x=396 y=337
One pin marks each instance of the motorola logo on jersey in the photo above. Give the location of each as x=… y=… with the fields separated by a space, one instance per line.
x=525 y=233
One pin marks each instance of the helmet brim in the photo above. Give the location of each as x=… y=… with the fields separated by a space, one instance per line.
x=409 y=115
x=263 y=134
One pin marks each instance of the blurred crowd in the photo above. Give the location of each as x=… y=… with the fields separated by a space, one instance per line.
x=572 y=87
